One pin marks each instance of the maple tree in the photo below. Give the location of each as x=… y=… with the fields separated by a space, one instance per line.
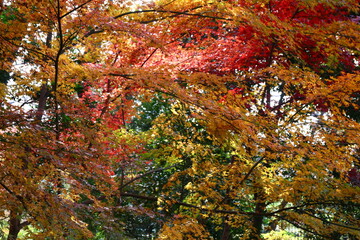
x=259 y=122
x=57 y=155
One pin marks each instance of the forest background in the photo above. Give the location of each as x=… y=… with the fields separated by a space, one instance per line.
x=179 y=119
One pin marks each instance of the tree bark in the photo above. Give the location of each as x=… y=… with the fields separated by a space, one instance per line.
x=14 y=225
x=260 y=206
x=42 y=102
x=226 y=232
x=258 y=220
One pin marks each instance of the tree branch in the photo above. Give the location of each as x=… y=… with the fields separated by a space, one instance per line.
x=186 y=13
x=73 y=10
x=251 y=170
x=147 y=59
x=328 y=222
x=20 y=198
x=305 y=205
x=126 y=194
x=127 y=76
x=145 y=174
x=301 y=227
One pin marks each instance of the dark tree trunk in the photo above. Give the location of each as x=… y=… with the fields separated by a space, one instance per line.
x=14 y=225
x=226 y=232
x=257 y=221
x=42 y=102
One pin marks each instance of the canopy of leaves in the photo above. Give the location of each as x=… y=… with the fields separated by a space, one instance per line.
x=179 y=119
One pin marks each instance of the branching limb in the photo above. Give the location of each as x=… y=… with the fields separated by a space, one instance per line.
x=76 y=8
x=145 y=174
x=177 y=13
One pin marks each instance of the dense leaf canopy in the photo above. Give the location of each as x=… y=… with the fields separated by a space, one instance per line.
x=179 y=119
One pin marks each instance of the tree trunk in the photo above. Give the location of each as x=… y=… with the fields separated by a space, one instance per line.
x=258 y=220
x=14 y=225
x=226 y=232
x=260 y=206
x=42 y=102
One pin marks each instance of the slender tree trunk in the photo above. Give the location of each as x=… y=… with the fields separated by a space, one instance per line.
x=42 y=102
x=226 y=232
x=44 y=92
x=14 y=225
x=260 y=206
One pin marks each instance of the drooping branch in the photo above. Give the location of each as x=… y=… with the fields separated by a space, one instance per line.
x=177 y=13
x=145 y=174
x=297 y=225
x=173 y=201
x=127 y=76
x=329 y=222
x=308 y=204
x=126 y=194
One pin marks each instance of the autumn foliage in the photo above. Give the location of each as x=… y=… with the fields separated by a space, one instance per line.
x=179 y=119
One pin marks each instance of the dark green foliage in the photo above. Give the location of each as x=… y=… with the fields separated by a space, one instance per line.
x=353 y=111
x=4 y=76
x=148 y=112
